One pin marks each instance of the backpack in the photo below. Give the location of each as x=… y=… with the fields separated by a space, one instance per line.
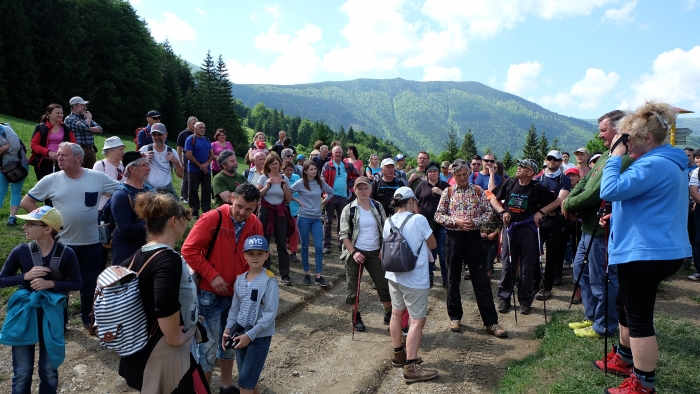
x=55 y=258
x=118 y=315
x=397 y=255
x=106 y=218
x=14 y=171
x=136 y=136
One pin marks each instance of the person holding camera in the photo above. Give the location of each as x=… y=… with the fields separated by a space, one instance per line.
x=251 y=318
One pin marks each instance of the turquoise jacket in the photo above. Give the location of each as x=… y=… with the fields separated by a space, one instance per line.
x=21 y=326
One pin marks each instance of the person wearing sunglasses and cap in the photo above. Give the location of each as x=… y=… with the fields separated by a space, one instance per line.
x=526 y=203
x=163 y=160
x=143 y=137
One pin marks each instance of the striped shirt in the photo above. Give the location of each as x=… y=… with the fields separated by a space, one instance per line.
x=248 y=292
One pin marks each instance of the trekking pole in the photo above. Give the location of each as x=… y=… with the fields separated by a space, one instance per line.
x=357 y=299
x=539 y=250
x=601 y=211
x=512 y=272
x=605 y=299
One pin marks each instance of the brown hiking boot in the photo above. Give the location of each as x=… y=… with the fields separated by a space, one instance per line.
x=454 y=325
x=415 y=373
x=497 y=331
x=399 y=359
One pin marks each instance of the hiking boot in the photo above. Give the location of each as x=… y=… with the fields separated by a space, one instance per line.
x=580 y=324
x=307 y=280
x=359 y=324
x=286 y=281
x=504 y=306
x=11 y=221
x=543 y=295
x=525 y=310
x=293 y=257
x=326 y=250
x=587 y=332
x=387 y=318
x=497 y=331
x=631 y=385
x=415 y=373
x=615 y=364
x=229 y=390
x=454 y=325
x=694 y=277
x=321 y=281
x=399 y=359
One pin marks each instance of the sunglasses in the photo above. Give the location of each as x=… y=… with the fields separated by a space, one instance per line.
x=156 y=134
x=525 y=167
x=489 y=161
x=552 y=158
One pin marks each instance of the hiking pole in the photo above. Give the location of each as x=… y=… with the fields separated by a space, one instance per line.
x=357 y=298
x=601 y=211
x=605 y=299
x=512 y=273
x=539 y=250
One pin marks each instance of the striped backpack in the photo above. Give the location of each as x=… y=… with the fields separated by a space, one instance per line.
x=119 y=318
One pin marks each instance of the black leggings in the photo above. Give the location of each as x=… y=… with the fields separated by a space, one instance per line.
x=636 y=296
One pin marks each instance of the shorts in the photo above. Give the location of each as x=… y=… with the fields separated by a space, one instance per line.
x=415 y=300
x=214 y=308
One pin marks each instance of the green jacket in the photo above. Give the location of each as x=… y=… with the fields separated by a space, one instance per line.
x=346 y=217
x=584 y=200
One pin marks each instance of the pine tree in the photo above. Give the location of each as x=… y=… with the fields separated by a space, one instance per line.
x=351 y=135
x=468 y=148
x=508 y=161
x=172 y=104
x=306 y=129
x=531 y=147
x=226 y=116
x=206 y=93
x=273 y=123
x=452 y=151
x=555 y=144
x=543 y=148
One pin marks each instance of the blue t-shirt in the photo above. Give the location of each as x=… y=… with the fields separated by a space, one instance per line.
x=483 y=180
x=293 y=205
x=144 y=138
x=340 y=186
x=200 y=150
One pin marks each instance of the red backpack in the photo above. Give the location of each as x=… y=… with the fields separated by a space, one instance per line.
x=136 y=136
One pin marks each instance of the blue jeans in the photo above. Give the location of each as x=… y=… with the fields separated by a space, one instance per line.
x=593 y=284
x=440 y=236
x=695 y=214
x=214 y=308
x=251 y=360
x=15 y=191
x=23 y=366
x=91 y=264
x=315 y=227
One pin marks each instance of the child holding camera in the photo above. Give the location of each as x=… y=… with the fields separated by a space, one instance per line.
x=251 y=318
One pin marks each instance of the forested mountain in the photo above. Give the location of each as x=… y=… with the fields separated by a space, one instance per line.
x=418 y=115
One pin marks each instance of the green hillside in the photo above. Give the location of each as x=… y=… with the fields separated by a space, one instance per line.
x=417 y=115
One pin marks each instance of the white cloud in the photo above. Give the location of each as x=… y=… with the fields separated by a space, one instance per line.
x=253 y=16
x=437 y=73
x=173 y=28
x=200 y=11
x=690 y=4
x=522 y=77
x=135 y=2
x=620 y=15
x=586 y=93
x=675 y=79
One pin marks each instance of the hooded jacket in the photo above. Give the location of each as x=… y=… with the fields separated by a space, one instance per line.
x=650 y=206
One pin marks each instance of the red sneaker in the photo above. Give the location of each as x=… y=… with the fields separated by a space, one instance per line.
x=631 y=385
x=615 y=364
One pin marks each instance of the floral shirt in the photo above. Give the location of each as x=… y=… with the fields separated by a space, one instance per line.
x=459 y=203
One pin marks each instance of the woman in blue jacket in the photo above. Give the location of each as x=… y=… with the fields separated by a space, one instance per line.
x=648 y=237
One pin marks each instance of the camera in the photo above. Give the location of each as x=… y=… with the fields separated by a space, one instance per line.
x=230 y=342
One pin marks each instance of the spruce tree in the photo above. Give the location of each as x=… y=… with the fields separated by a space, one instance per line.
x=452 y=151
x=226 y=116
x=508 y=161
x=468 y=148
x=172 y=103
x=531 y=148
x=543 y=148
x=351 y=135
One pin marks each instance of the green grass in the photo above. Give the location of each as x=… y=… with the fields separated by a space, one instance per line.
x=562 y=363
x=696 y=298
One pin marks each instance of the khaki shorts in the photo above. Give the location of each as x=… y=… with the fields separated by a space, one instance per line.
x=415 y=300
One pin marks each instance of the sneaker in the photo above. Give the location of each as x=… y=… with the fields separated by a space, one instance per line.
x=387 y=318
x=404 y=331
x=286 y=281
x=399 y=359
x=525 y=310
x=586 y=333
x=229 y=390
x=504 y=306
x=326 y=250
x=184 y=200
x=12 y=221
x=580 y=324
x=454 y=325
x=631 y=385
x=415 y=373
x=567 y=266
x=694 y=277
x=293 y=258
x=359 y=324
x=543 y=295
x=307 y=280
x=321 y=281
x=497 y=331
x=195 y=217
x=615 y=364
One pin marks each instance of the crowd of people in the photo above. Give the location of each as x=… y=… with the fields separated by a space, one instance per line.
x=466 y=214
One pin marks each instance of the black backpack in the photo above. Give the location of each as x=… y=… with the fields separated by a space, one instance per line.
x=106 y=218
x=397 y=255
x=55 y=258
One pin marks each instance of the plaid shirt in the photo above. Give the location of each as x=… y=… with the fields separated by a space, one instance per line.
x=465 y=204
x=79 y=127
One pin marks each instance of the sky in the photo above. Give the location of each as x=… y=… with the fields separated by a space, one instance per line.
x=579 y=58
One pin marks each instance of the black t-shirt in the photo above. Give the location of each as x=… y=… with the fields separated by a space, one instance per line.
x=278 y=149
x=182 y=137
x=383 y=192
x=320 y=162
x=523 y=201
x=555 y=184
x=428 y=200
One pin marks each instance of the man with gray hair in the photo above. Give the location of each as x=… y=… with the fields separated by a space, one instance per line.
x=181 y=138
x=339 y=175
x=75 y=191
x=226 y=181
x=383 y=187
x=288 y=155
x=163 y=160
x=81 y=123
x=254 y=173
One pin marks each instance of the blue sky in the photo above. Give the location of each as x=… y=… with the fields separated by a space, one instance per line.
x=579 y=58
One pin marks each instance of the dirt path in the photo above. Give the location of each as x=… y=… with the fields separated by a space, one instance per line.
x=313 y=350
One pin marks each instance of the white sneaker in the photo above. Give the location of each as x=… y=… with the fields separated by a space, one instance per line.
x=694 y=276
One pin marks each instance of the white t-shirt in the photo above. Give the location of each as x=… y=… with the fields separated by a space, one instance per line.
x=368 y=237
x=76 y=200
x=161 y=169
x=694 y=181
x=565 y=167
x=112 y=172
x=416 y=232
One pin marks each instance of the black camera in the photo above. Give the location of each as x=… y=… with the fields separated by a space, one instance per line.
x=235 y=331
x=230 y=342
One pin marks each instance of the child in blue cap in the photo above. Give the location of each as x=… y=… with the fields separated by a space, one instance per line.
x=251 y=318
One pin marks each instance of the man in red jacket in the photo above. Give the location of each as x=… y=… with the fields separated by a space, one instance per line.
x=218 y=262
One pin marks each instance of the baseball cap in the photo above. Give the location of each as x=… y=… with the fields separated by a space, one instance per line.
x=362 y=179
x=387 y=161
x=159 y=128
x=403 y=193
x=555 y=153
x=529 y=163
x=581 y=150
x=400 y=156
x=113 y=142
x=256 y=242
x=47 y=215
x=77 y=100
x=573 y=170
x=445 y=164
x=301 y=157
x=153 y=114
x=595 y=157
